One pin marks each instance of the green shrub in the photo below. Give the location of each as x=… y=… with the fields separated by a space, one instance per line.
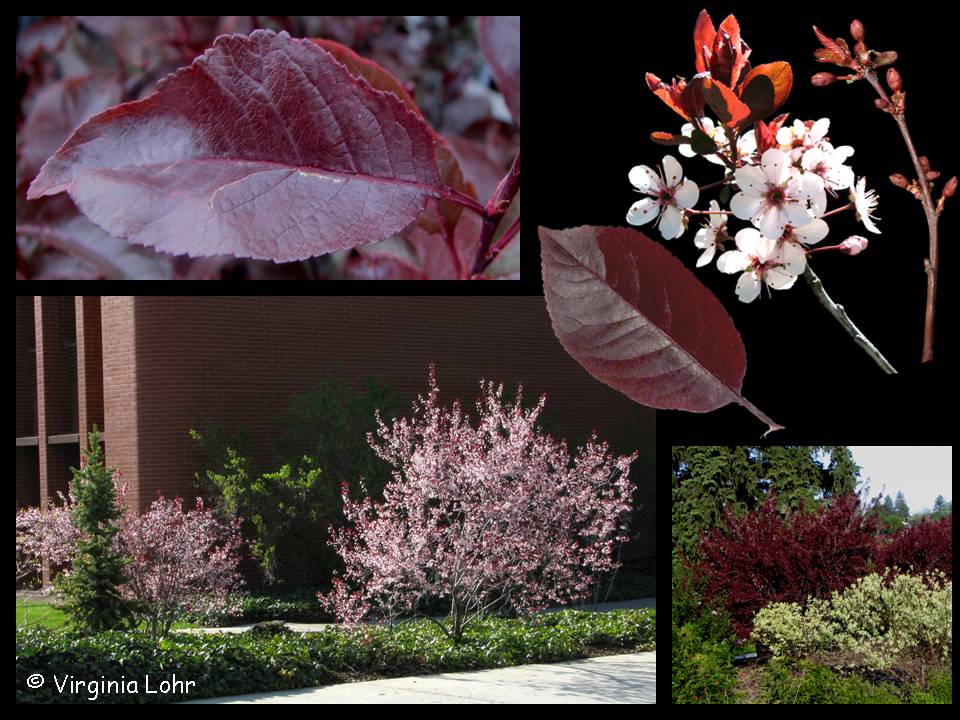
x=939 y=689
x=807 y=683
x=881 y=619
x=292 y=502
x=702 y=668
x=231 y=664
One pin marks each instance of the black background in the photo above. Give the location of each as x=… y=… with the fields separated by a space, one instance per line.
x=803 y=370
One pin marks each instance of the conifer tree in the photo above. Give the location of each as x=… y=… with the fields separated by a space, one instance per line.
x=900 y=507
x=92 y=587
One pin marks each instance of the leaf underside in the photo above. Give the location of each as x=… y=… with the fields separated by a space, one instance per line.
x=265 y=147
x=637 y=320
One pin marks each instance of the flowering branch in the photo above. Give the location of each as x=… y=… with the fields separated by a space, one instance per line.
x=841 y=315
x=864 y=63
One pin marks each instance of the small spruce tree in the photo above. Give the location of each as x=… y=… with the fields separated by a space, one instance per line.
x=97 y=572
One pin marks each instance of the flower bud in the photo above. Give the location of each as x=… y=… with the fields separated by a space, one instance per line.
x=933 y=174
x=822 y=79
x=950 y=188
x=924 y=162
x=882 y=104
x=860 y=49
x=894 y=80
x=856 y=30
x=853 y=245
x=885 y=58
x=899 y=180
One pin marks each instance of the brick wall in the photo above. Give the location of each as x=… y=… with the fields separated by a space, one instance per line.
x=237 y=361
x=169 y=363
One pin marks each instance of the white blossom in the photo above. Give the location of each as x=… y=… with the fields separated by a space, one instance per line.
x=771 y=195
x=669 y=195
x=707 y=237
x=758 y=259
x=865 y=201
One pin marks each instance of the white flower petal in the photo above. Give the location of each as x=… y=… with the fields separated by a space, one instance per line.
x=779 y=279
x=840 y=177
x=745 y=206
x=685 y=150
x=819 y=129
x=776 y=166
x=772 y=223
x=706 y=257
x=793 y=257
x=784 y=136
x=705 y=237
x=748 y=287
x=687 y=194
x=671 y=222
x=812 y=232
x=749 y=240
x=672 y=171
x=733 y=261
x=645 y=180
x=797 y=213
x=751 y=180
x=868 y=224
x=643 y=211
x=717 y=221
x=708 y=124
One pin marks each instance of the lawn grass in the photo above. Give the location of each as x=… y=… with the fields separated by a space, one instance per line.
x=47 y=613
x=40 y=613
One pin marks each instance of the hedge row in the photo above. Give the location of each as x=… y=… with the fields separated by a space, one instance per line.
x=76 y=669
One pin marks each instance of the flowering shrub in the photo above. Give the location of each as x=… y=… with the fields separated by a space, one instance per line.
x=922 y=547
x=485 y=516
x=45 y=535
x=182 y=562
x=879 y=618
x=761 y=557
x=173 y=562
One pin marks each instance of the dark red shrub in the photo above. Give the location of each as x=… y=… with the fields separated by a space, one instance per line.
x=926 y=546
x=762 y=557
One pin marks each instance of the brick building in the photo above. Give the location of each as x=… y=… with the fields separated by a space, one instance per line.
x=146 y=369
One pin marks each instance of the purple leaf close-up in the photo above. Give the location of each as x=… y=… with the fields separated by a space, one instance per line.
x=274 y=151
x=637 y=320
x=265 y=147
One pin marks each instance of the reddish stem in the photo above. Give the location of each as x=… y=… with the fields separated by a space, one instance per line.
x=495 y=210
x=930 y=211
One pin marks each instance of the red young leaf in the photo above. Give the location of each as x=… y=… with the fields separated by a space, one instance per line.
x=703 y=37
x=766 y=87
x=637 y=320
x=500 y=42
x=730 y=110
x=264 y=147
x=728 y=57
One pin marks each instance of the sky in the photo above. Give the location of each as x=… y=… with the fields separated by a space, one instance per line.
x=919 y=472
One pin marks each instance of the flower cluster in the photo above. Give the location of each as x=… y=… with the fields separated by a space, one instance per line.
x=780 y=175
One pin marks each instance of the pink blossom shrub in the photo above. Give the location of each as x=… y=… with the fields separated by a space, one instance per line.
x=181 y=562
x=492 y=515
x=761 y=557
x=45 y=535
x=922 y=547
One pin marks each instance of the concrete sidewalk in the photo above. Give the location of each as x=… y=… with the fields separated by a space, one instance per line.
x=612 y=679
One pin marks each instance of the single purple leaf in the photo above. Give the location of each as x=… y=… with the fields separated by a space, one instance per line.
x=637 y=320
x=500 y=41
x=265 y=147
